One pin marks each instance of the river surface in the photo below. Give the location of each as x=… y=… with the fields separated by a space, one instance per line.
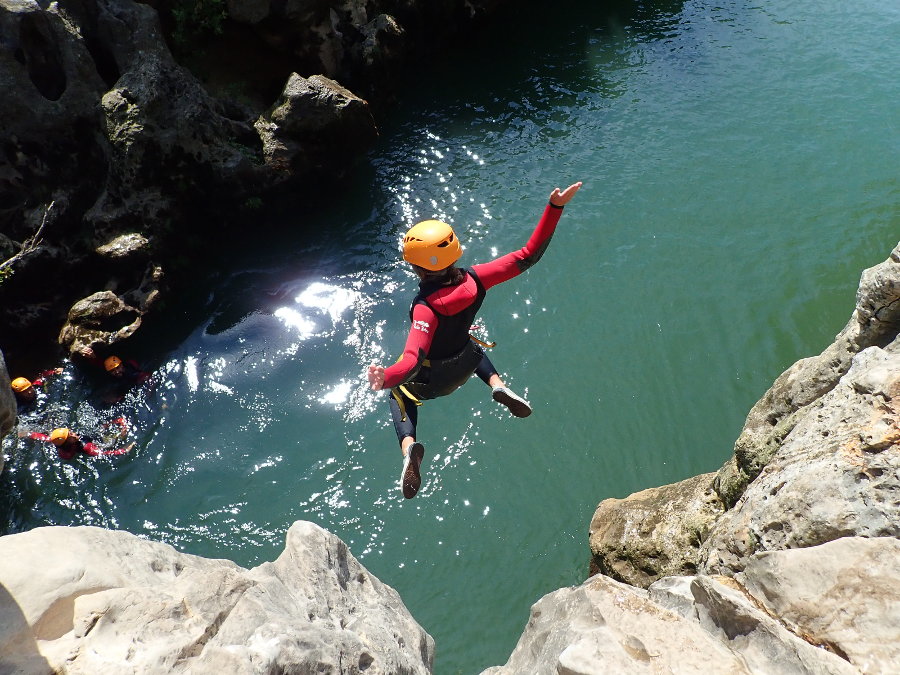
x=740 y=171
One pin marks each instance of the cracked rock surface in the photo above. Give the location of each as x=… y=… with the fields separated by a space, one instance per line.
x=787 y=560
x=116 y=603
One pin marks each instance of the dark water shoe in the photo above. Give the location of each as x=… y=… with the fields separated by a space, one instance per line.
x=517 y=405
x=411 y=479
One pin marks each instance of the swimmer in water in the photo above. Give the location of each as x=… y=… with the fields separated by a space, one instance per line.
x=69 y=444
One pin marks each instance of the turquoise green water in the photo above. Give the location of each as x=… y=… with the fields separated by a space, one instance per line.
x=740 y=169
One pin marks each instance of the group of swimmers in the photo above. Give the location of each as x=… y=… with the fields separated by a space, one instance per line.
x=67 y=442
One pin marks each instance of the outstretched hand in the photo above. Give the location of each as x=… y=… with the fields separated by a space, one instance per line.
x=376 y=377
x=562 y=198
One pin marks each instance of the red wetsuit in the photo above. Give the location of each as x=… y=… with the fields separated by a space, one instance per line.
x=433 y=324
x=74 y=446
x=42 y=378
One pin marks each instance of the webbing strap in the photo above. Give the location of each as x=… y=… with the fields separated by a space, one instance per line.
x=399 y=399
x=488 y=345
x=426 y=363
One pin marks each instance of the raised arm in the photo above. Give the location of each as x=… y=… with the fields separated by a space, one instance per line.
x=513 y=264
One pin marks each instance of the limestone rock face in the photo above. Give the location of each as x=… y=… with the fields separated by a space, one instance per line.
x=315 y=124
x=97 y=321
x=360 y=42
x=7 y=404
x=836 y=474
x=796 y=538
x=875 y=322
x=110 y=602
x=644 y=537
x=99 y=120
x=604 y=626
x=703 y=624
x=818 y=459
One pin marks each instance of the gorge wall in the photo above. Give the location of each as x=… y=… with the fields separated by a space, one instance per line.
x=118 y=162
x=784 y=561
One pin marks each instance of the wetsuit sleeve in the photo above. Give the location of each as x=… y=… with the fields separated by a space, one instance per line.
x=120 y=451
x=91 y=449
x=418 y=342
x=513 y=264
x=38 y=436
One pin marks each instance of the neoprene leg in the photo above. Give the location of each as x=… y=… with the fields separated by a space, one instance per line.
x=404 y=426
x=485 y=370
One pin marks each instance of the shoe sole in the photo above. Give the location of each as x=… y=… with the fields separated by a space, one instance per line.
x=517 y=406
x=412 y=478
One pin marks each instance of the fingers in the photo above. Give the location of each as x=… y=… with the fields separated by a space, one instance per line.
x=375 y=375
x=561 y=197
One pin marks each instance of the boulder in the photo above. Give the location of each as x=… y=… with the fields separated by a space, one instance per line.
x=843 y=595
x=114 y=602
x=315 y=125
x=647 y=535
x=681 y=625
x=97 y=322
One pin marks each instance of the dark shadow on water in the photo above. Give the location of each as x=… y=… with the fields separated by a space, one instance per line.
x=536 y=57
x=18 y=648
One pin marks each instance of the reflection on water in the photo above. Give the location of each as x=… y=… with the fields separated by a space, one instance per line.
x=717 y=239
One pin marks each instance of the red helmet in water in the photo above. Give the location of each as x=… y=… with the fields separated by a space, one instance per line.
x=431 y=244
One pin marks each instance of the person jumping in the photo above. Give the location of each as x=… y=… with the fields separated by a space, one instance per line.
x=440 y=355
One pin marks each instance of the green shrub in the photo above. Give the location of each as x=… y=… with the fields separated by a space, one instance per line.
x=197 y=20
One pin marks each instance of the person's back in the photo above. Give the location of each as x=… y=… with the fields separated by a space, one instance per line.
x=440 y=355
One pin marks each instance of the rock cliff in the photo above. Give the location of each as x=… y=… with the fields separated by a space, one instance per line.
x=109 y=602
x=118 y=161
x=784 y=561
x=7 y=405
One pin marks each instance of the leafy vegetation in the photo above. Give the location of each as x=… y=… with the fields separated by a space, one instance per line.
x=197 y=20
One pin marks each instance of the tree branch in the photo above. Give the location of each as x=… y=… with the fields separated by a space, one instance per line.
x=30 y=245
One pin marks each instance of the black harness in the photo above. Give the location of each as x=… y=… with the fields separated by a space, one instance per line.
x=453 y=356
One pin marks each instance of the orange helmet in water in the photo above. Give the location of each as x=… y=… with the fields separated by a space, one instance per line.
x=431 y=244
x=59 y=436
x=112 y=362
x=20 y=384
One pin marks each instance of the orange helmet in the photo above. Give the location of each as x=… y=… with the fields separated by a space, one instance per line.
x=431 y=244
x=59 y=436
x=20 y=384
x=112 y=362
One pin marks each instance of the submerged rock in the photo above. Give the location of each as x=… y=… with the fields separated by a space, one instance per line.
x=111 y=602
